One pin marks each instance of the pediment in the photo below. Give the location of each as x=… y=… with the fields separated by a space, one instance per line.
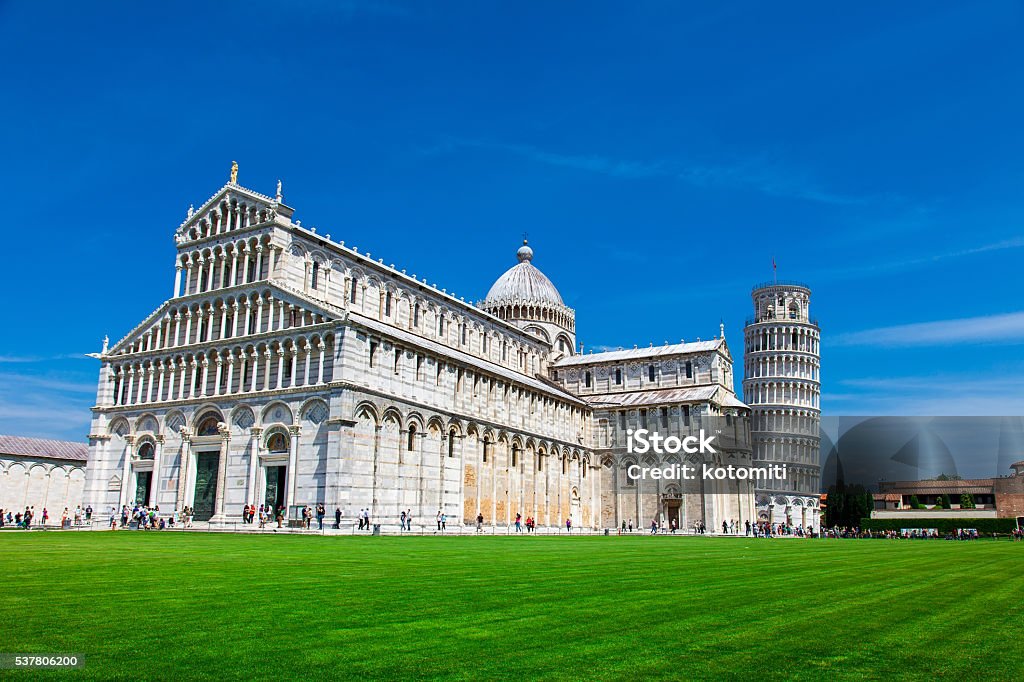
x=329 y=312
x=255 y=207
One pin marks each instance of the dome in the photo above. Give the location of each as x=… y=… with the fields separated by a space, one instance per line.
x=523 y=283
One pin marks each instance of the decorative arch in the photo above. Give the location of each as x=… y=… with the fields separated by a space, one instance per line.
x=174 y=421
x=367 y=410
x=315 y=411
x=119 y=427
x=147 y=423
x=277 y=440
x=243 y=417
x=277 y=412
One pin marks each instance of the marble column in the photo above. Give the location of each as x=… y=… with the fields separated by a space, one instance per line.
x=252 y=495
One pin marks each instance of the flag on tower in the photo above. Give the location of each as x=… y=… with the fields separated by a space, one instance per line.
x=775 y=271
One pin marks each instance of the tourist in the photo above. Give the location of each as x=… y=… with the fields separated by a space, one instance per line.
x=88 y=513
x=366 y=518
x=568 y=526
x=438 y=519
x=279 y=516
x=479 y=523
x=631 y=525
x=444 y=522
x=654 y=527
x=401 y=522
x=113 y=518
x=46 y=516
x=361 y=519
x=263 y=517
x=519 y=522
x=337 y=518
x=408 y=519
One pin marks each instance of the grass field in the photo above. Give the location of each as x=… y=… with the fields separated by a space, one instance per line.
x=187 y=605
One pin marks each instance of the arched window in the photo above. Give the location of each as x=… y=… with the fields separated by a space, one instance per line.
x=277 y=442
x=451 y=443
x=630 y=481
x=146 y=450
x=352 y=292
x=314 y=275
x=487 y=448
x=416 y=315
x=540 y=461
x=387 y=304
x=411 y=444
x=208 y=426
x=618 y=376
x=565 y=465
x=440 y=325
x=515 y=456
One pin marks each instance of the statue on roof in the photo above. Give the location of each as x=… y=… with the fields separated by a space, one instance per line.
x=278 y=197
x=234 y=172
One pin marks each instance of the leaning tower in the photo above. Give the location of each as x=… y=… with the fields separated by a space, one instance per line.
x=782 y=385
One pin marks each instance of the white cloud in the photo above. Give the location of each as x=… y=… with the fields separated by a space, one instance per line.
x=1003 y=328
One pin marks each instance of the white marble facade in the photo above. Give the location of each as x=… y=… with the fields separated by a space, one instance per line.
x=289 y=368
x=782 y=384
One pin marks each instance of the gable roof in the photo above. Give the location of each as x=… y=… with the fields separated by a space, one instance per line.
x=43 y=448
x=642 y=353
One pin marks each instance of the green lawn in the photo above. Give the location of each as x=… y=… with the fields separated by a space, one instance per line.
x=186 y=605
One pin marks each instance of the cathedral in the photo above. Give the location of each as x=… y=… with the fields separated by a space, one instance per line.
x=288 y=369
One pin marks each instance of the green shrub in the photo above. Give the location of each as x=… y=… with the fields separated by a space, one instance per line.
x=914 y=502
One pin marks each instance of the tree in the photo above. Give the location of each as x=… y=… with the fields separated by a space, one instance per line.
x=944 y=501
x=914 y=502
x=966 y=501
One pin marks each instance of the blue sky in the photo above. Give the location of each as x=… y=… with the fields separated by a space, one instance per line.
x=658 y=154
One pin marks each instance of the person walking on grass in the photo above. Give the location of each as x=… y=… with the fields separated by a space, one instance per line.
x=479 y=523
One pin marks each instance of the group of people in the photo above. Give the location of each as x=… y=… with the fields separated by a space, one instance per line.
x=147 y=518
x=25 y=519
x=530 y=524
x=265 y=513
x=845 y=532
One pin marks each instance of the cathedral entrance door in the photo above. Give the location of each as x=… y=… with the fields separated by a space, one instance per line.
x=672 y=513
x=206 y=485
x=143 y=482
x=273 y=495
